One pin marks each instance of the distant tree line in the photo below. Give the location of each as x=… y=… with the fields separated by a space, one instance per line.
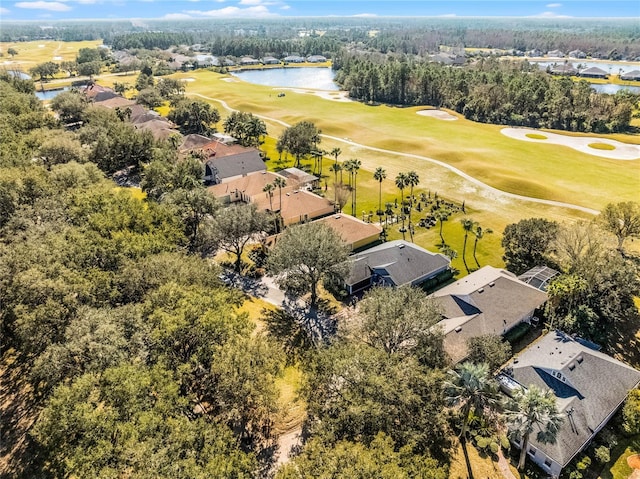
x=489 y=91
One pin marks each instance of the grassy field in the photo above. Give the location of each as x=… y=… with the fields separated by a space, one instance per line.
x=539 y=170
x=32 y=53
x=480 y=150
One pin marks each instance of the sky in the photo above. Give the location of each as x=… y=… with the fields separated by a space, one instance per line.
x=200 y=9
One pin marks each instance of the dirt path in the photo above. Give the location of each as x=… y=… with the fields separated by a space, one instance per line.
x=469 y=178
x=287 y=442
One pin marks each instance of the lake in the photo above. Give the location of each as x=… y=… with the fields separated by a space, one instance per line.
x=612 y=89
x=50 y=94
x=313 y=77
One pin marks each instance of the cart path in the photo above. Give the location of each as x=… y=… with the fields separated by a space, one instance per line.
x=453 y=169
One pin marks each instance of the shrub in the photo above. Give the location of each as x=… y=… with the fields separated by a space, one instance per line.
x=584 y=463
x=602 y=454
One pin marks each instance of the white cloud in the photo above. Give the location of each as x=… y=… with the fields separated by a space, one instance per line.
x=550 y=15
x=51 y=6
x=448 y=15
x=365 y=15
x=228 y=12
x=4 y=11
x=250 y=2
x=87 y=2
x=177 y=16
x=554 y=5
x=285 y=7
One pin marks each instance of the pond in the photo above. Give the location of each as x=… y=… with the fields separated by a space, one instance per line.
x=613 y=89
x=50 y=94
x=314 y=78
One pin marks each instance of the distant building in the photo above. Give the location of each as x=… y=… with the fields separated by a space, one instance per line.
x=555 y=54
x=633 y=75
x=534 y=53
x=487 y=301
x=249 y=61
x=563 y=69
x=293 y=59
x=589 y=386
x=396 y=263
x=449 y=59
x=270 y=61
x=593 y=72
x=316 y=59
x=577 y=54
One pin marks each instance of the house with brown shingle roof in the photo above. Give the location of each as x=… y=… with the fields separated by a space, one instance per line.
x=249 y=188
x=298 y=206
x=353 y=231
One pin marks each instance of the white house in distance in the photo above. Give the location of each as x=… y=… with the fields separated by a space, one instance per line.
x=589 y=386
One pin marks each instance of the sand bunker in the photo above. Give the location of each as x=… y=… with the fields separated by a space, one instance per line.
x=229 y=80
x=620 y=151
x=189 y=79
x=439 y=114
x=57 y=58
x=340 y=96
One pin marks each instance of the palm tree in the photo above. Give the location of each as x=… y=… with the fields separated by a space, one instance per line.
x=479 y=233
x=348 y=166
x=412 y=180
x=280 y=183
x=268 y=189
x=335 y=168
x=533 y=409
x=401 y=183
x=471 y=388
x=467 y=225
x=441 y=215
x=355 y=165
x=379 y=175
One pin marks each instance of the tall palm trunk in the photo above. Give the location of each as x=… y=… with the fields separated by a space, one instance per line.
x=464 y=251
x=523 y=452
x=475 y=245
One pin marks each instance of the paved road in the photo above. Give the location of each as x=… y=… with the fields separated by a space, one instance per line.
x=425 y=158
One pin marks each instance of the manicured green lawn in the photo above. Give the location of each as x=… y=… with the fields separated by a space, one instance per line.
x=532 y=169
x=40 y=51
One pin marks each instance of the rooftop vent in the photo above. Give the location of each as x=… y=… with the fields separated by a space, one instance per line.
x=580 y=359
x=481 y=290
x=458 y=329
x=400 y=246
x=492 y=284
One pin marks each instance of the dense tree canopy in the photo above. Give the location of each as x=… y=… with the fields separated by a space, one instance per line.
x=489 y=90
x=307 y=254
x=528 y=243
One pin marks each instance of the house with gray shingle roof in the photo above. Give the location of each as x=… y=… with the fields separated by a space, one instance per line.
x=632 y=75
x=487 y=301
x=396 y=263
x=590 y=387
x=226 y=168
x=593 y=72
